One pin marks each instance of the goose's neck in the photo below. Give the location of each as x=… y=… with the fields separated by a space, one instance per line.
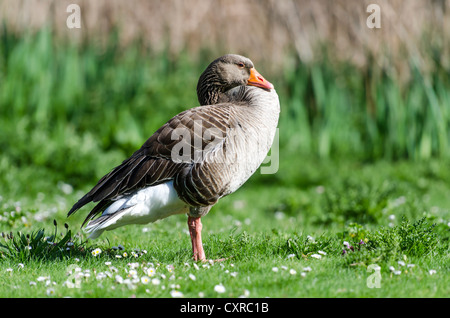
x=209 y=96
x=209 y=92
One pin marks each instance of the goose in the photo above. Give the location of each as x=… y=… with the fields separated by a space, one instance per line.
x=197 y=157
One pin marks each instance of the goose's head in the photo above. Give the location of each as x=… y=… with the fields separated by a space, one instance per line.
x=226 y=72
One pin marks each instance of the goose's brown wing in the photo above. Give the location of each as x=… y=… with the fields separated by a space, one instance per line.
x=153 y=163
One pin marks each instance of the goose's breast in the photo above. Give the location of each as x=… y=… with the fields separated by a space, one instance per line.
x=247 y=149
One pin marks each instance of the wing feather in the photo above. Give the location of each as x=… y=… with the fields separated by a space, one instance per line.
x=152 y=164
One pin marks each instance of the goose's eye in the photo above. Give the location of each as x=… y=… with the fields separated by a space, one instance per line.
x=241 y=65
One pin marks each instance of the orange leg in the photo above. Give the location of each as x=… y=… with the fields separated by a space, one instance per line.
x=195 y=230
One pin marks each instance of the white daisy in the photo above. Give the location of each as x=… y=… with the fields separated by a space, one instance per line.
x=156 y=281
x=219 y=289
x=50 y=292
x=145 y=280
x=176 y=294
x=96 y=252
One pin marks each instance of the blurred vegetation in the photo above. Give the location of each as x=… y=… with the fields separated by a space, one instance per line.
x=72 y=112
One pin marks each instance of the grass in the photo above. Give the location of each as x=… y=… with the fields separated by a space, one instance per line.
x=377 y=180
x=257 y=235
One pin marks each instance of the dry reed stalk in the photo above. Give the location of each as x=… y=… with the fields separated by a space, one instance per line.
x=263 y=29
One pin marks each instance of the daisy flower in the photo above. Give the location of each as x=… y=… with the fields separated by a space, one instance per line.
x=176 y=294
x=132 y=272
x=133 y=265
x=50 y=292
x=145 y=280
x=156 y=281
x=219 y=289
x=41 y=278
x=170 y=268
x=100 y=275
x=119 y=279
x=151 y=271
x=96 y=252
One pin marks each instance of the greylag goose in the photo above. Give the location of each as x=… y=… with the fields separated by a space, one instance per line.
x=196 y=158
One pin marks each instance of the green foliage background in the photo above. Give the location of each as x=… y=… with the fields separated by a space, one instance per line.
x=71 y=112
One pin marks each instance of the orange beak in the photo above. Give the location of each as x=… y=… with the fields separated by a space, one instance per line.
x=256 y=79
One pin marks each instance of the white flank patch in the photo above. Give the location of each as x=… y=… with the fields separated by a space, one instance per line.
x=141 y=207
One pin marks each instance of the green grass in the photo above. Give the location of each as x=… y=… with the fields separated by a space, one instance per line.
x=362 y=157
x=257 y=234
